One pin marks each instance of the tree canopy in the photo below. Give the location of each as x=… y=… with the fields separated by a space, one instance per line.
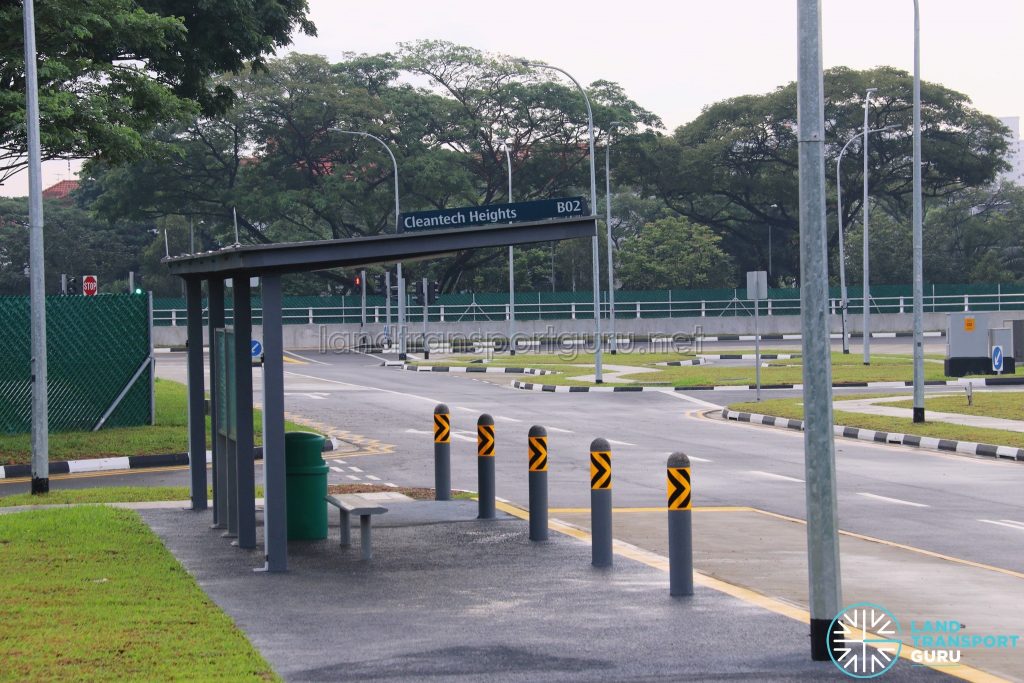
x=111 y=70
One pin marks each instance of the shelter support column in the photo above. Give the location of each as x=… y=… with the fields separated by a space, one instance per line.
x=196 y=416
x=219 y=473
x=275 y=515
x=244 y=461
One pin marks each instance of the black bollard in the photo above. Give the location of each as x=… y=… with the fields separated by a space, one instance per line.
x=601 y=503
x=485 y=465
x=680 y=530
x=538 y=440
x=442 y=453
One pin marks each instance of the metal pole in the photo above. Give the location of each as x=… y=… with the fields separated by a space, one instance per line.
x=131 y=281
x=918 y=242
x=362 y=299
x=601 y=503
x=538 y=482
x=442 y=452
x=387 y=310
x=426 y=314
x=613 y=346
x=245 y=473
x=485 y=465
x=757 y=350
x=867 y=254
x=598 y=378
x=819 y=448
x=680 y=528
x=511 y=265
x=219 y=471
x=275 y=510
x=37 y=273
x=400 y=295
x=196 y=416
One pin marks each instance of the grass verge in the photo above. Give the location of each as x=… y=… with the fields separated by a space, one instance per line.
x=1008 y=405
x=793 y=408
x=106 y=494
x=90 y=593
x=168 y=435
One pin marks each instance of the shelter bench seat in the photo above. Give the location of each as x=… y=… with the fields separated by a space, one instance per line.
x=354 y=504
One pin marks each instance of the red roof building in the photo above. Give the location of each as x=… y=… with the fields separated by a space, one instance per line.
x=60 y=190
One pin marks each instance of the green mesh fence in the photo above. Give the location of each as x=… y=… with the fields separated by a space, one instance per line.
x=95 y=345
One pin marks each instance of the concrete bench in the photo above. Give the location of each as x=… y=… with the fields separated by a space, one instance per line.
x=354 y=504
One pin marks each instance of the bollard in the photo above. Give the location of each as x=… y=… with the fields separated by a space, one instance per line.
x=538 y=440
x=485 y=465
x=442 y=453
x=680 y=531
x=601 y=503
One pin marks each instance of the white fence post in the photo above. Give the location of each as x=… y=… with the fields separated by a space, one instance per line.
x=967 y=306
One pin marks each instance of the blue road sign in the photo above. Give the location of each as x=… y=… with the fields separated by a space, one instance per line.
x=256 y=348
x=997 y=358
x=520 y=212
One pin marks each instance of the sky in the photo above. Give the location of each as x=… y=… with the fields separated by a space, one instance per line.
x=675 y=57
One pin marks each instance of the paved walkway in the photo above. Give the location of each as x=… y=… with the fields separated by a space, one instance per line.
x=612 y=373
x=873 y=406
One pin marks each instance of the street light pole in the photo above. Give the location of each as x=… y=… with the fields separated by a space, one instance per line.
x=844 y=299
x=398 y=211
x=918 y=242
x=598 y=379
x=866 y=257
x=37 y=279
x=511 y=261
x=613 y=346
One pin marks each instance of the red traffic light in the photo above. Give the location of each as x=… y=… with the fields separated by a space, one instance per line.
x=358 y=281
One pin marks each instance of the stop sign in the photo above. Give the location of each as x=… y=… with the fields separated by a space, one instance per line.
x=89 y=285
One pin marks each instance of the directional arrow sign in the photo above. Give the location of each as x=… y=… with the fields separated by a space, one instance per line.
x=997 y=358
x=520 y=212
x=256 y=348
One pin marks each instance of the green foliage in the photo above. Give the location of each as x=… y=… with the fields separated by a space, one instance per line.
x=674 y=253
x=127 y=610
x=111 y=70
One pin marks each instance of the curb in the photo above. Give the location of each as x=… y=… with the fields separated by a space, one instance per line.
x=126 y=462
x=750 y=356
x=988 y=381
x=473 y=368
x=947 y=445
x=703 y=360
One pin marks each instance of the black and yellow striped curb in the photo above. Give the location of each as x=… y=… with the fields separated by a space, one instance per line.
x=893 y=438
x=979 y=382
x=477 y=368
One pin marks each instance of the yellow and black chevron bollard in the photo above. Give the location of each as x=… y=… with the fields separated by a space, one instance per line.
x=601 y=503
x=485 y=465
x=680 y=530
x=538 y=461
x=442 y=452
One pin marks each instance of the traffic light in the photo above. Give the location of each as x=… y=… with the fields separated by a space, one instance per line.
x=72 y=285
x=434 y=292
x=382 y=285
x=357 y=281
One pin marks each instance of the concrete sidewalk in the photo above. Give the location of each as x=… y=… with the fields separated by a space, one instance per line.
x=873 y=406
x=449 y=597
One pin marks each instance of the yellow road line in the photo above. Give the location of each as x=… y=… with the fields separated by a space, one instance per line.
x=710 y=508
x=962 y=671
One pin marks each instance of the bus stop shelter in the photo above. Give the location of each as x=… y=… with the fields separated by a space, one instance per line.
x=231 y=390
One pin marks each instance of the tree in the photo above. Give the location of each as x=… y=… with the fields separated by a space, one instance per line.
x=675 y=253
x=734 y=168
x=111 y=70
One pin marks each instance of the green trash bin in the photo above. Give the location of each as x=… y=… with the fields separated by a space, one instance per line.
x=306 y=484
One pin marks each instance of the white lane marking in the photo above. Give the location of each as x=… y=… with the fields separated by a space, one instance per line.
x=691 y=399
x=309 y=360
x=619 y=443
x=898 y=501
x=694 y=458
x=1019 y=526
x=360 y=386
x=781 y=477
x=340 y=462
x=560 y=431
x=506 y=419
x=469 y=410
x=352 y=477
x=336 y=469
x=355 y=469
x=418 y=431
x=463 y=435
x=372 y=478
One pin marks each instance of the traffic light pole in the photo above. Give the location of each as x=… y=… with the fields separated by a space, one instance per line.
x=362 y=299
x=426 y=314
x=387 y=308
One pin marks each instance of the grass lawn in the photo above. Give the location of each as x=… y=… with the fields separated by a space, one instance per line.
x=90 y=593
x=1003 y=404
x=793 y=408
x=168 y=435
x=106 y=494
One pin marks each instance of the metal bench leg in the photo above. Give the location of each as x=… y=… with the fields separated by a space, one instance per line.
x=364 y=536
x=346 y=532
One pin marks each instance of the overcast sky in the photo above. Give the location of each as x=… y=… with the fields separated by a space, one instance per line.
x=675 y=57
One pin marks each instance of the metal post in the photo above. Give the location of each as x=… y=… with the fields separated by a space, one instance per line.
x=601 y=503
x=131 y=281
x=152 y=359
x=867 y=255
x=37 y=274
x=819 y=448
x=400 y=295
x=538 y=483
x=757 y=350
x=595 y=256
x=244 y=462
x=680 y=530
x=918 y=241
x=442 y=452
x=485 y=465
x=613 y=343
x=387 y=310
x=64 y=283
x=426 y=315
x=219 y=473
x=362 y=300
x=275 y=513
x=511 y=264
x=196 y=413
